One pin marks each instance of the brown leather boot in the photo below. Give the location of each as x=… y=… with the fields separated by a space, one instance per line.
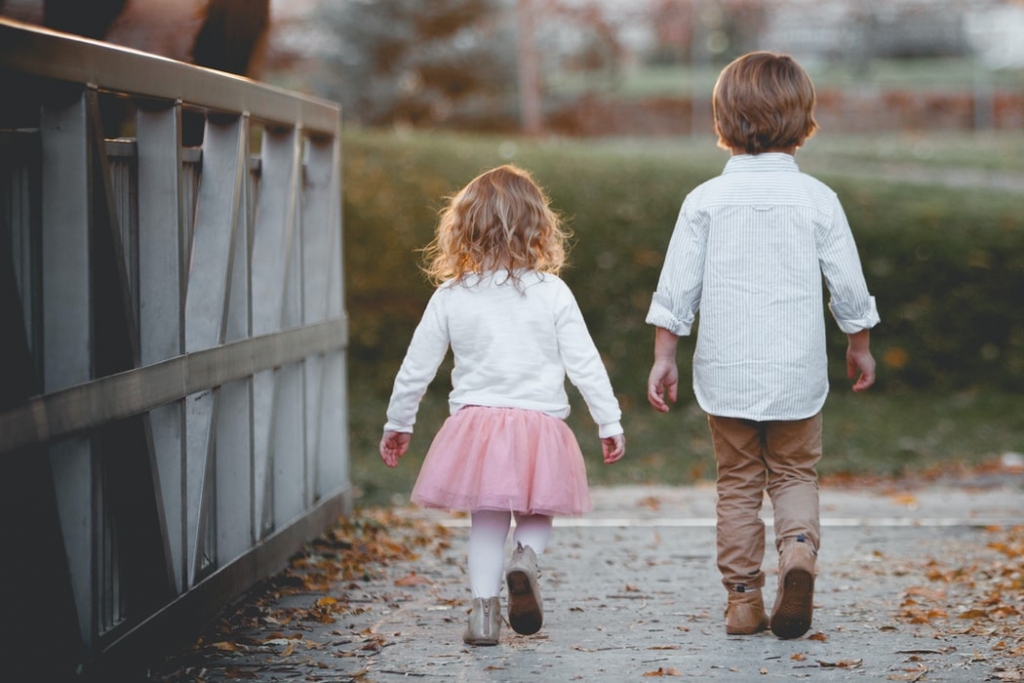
x=745 y=613
x=794 y=603
x=484 y=622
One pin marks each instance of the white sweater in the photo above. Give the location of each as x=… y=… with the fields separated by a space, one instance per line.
x=513 y=348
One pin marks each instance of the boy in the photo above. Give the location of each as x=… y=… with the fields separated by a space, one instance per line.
x=749 y=250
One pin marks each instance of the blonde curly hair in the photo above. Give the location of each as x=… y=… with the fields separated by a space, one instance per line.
x=501 y=220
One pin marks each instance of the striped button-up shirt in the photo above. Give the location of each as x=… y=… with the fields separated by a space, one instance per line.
x=749 y=250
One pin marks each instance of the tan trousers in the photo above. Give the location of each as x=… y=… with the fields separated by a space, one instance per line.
x=780 y=457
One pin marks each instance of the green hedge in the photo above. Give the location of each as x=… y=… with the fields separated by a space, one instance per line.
x=946 y=266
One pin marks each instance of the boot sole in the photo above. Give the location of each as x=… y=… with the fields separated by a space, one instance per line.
x=746 y=630
x=793 y=617
x=524 y=614
x=479 y=641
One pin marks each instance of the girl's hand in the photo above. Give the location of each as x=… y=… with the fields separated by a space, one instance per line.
x=613 y=447
x=393 y=446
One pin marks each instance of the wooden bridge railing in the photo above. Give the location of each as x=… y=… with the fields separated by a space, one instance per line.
x=173 y=418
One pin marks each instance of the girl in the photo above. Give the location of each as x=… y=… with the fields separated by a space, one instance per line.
x=516 y=331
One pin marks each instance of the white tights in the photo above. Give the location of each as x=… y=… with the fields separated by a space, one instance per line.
x=487 y=546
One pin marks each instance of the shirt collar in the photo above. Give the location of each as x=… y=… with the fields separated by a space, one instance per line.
x=767 y=161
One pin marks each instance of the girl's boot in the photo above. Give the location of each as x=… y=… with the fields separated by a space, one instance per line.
x=484 y=622
x=525 y=608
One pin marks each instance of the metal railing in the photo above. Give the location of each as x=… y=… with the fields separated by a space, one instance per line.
x=173 y=418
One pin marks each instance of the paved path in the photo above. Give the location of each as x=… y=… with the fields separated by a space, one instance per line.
x=631 y=593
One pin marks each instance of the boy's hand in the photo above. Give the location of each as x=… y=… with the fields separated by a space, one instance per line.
x=864 y=362
x=664 y=379
x=858 y=357
x=613 y=447
x=393 y=446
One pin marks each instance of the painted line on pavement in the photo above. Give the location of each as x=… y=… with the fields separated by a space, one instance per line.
x=709 y=522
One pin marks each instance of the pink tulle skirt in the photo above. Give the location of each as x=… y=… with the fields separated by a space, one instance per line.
x=504 y=459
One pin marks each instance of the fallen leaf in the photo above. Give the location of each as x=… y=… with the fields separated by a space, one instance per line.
x=1009 y=676
x=413 y=579
x=662 y=672
x=650 y=502
x=912 y=675
x=842 y=663
x=973 y=614
x=907 y=499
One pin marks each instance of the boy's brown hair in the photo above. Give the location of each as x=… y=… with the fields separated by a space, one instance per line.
x=763 y=101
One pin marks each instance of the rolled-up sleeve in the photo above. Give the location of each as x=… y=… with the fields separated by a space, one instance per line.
x=852 y=306
x=661 y=315
x=674 y=305
x=854 y=319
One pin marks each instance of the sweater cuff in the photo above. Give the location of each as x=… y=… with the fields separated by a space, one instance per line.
x=610 y=429
x=392 y=427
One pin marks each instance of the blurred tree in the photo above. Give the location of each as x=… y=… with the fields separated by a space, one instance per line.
x=594 y=46
x=716 y=30
x=446 y=62
x=530 y=104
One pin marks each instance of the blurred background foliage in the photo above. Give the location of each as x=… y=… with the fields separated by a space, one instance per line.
x=405 y=61
x=946 y=265
x=459 y=64
x=921 y=104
